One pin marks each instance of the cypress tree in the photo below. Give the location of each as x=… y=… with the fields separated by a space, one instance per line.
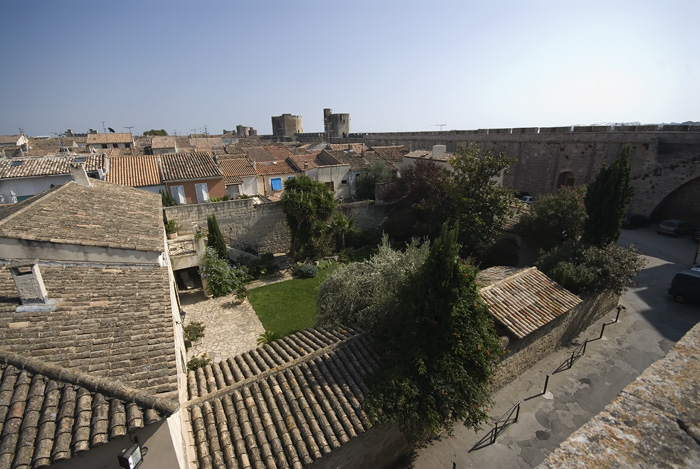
x=606 y=199
x=215 y=239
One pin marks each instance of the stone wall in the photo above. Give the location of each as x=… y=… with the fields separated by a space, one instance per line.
x=527 y=351
x=245 y=225
x=367 y=215
x=663 y=159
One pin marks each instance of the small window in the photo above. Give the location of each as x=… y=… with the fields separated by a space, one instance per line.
x=202 y=191
x=178 y=193
x=104 y=145
x=344 y=181
x=330 y=186
x=115 y=145
x=276 y=184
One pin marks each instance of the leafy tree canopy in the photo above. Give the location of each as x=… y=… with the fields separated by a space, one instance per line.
x=606 y=199
x=554 y=218
x=436 y=341
x=378 y=172
x=440 y=351
x=156 y=133
x=307 y=205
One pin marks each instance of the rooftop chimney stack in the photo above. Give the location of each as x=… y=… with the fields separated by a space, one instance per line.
x=29 y=283
x=77 y=171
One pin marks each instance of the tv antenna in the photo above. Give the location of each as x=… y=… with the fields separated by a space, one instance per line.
x=439 y=125
x=129 y=127
x=104 y=129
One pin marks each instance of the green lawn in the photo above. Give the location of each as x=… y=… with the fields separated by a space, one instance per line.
x=288 y=306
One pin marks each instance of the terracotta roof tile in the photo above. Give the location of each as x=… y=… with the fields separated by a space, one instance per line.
x=285 y=404
x=98 y=139
x=49 y=413
x=205 y=143
x=184 y=166
x=307 y=161
x=260 y=154
x=104 y=214
x=9 y=139
x=163 y=142
x=234 y=168
x=524 y=300
x=392 y=153
x=113 y=322
x=270 y=168
x=48 y=166
x=356 y=147
x=279 y=152
x=134 y=171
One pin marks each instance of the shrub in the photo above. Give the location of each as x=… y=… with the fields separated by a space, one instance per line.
x=223 y=278
x=215 y=239
x=198 y=362
x=171 y=226
x=193 y=331
x=266 y=337
x=592 y=269
x=305 y=270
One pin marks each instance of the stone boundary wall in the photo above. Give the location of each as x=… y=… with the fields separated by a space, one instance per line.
x=245 y=225
x=557 y=333
x=367 y=215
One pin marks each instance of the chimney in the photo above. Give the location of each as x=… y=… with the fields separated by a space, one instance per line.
x=77 y=171
x=28 y=281
x=306 y=165
x=439 y=150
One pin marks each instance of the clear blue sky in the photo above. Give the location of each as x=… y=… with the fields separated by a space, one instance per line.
x=392 y=65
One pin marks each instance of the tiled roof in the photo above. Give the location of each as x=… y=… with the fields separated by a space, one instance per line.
x=285 y=404
x=312 y=159
x=234 y=168
x=134 y=171
x=48 y=166
x=356 y=147
x=9 y=139
x=259 y=154
x=104 y=214
x=113 y=322
x=428 y=155
x=270 y=168
x=354 y=160
x=184 y=166
x=96 y=139
x=524 y=300
x=49 y=413
x=393 y=154
x=205 y=143
x=279 y=152
x=162 y=142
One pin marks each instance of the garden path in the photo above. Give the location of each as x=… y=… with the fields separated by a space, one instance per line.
x=231 y=326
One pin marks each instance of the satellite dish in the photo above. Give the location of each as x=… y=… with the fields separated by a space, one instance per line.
x=110 y=129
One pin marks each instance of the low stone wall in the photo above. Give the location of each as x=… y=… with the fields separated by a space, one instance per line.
x=653 y=422
x=367 y=215
x=245 y=225
x=528 y=351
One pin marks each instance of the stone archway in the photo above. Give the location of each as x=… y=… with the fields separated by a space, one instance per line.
x=566 y=179
x=681 y=203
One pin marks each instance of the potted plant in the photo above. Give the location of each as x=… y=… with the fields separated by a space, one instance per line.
x=171 y=227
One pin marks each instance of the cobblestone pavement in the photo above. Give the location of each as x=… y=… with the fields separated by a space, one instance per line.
x=231 y=326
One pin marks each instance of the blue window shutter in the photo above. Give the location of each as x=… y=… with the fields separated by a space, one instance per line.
x=276 y=184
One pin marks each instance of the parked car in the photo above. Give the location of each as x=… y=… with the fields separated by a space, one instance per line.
x=675 y=228
x=685 y=286
x=528 y=199
x=632 y=221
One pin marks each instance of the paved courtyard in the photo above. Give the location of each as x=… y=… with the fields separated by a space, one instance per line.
x=231 y=325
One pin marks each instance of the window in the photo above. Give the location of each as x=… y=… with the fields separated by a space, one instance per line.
x=202 y=192
x=276 y=184
x=178 y=193
x=115 y=145
x=104 y=145
x=344 y=181
x=330 y=186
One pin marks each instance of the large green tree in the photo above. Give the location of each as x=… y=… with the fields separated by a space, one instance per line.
x=436 y=340
x=378 y=172
x=554 y=219
x=476 y=197
x=606 y=200
x=307 y=205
